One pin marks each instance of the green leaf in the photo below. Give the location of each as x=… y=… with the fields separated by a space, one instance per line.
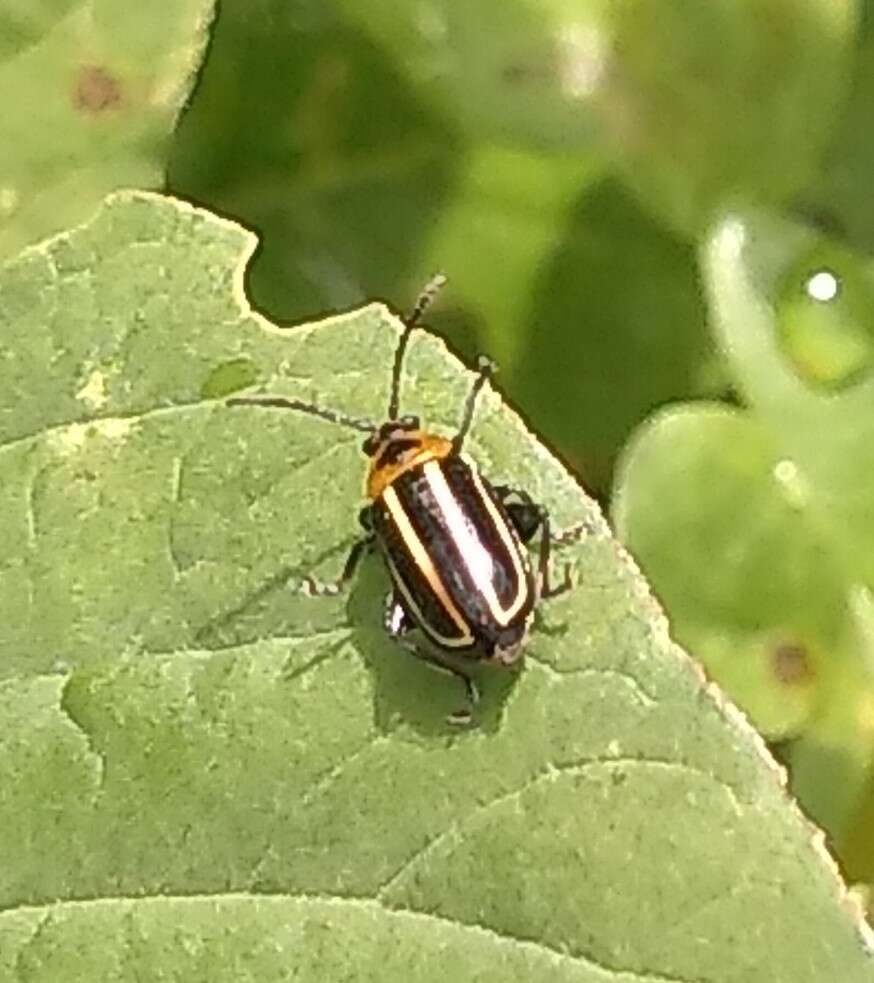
x=619 y=294
x=732 y=100
x=753 y=591
x=831 y=762
x=517 y=74
x=242 y=939
x=342 y=195
x=757 y=271
x=205 y=773
x=93 y=91
x=510 y=204
x=786 y=570
x=841 y=193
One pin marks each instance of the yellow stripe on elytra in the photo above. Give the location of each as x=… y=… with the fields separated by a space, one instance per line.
x=446 y=641
x=424 y=563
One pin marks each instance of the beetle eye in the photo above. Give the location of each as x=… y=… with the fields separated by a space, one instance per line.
x=369 y=445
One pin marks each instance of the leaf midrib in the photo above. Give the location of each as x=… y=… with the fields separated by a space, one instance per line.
x=373 y=905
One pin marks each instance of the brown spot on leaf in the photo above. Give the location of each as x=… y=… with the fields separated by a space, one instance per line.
x=526 y=72
x=96 y=90
x=791 y=663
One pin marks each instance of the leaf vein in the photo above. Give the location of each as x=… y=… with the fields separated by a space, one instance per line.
x=550 y=773
x=370 y=905
x=645 y=698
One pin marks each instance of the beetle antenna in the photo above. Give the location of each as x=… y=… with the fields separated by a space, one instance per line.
x=487 y=369
x=280 y=402
x=423 y=302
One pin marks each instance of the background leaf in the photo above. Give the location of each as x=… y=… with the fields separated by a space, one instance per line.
x=189 y=725
x=764 y=616
x=734 y=100
x=92 y=93
x=790 y=572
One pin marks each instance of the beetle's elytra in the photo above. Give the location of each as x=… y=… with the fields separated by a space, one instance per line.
x=454 y=544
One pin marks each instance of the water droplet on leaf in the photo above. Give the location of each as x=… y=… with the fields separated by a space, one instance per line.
x=825 y=317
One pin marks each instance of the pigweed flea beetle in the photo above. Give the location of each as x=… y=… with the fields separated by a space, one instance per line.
x=454 y=544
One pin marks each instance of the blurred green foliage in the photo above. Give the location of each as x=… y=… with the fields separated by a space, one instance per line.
x=632 y=201
x=92 y=92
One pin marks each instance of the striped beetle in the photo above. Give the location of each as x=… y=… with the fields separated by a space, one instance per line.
x=454 y=545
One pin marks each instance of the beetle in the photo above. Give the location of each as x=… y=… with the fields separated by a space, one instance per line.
x=454 y=544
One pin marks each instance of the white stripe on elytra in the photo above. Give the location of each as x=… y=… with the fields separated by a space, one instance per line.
x=423 y=562
x=474 y=555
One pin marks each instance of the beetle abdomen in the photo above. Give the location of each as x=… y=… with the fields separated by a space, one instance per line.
x=455 y=556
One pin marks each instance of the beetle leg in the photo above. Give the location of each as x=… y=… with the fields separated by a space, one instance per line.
x=508 y=491
x=526 y=516
x=365 y=519
x=464 y=715
x=397 y=624
x=313 y=588
x=547 y=588
x=573 y=534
